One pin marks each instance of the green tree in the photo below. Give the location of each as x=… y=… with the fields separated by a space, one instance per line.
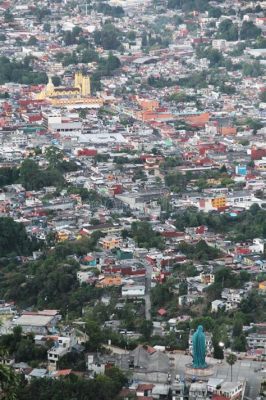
x=240 y=343
x=254 y=124
x=214 y=12
x=183 y=288
x=8 y=16
x=9 y=383
x=237 y=328
x=263 y=96
x=218 y=351
x=207 y=322
x=41 y=13
x=56 y=80
x=32 y=41
x=228 y=30
x=47 y=27
x=249 y=31
x=231 y=359
x=252 y=69
x=54 y=156
x=8 y=176
x=13 y=238
x=95 y=334
x=146 y=329
x=108 y=37
x=144 y=235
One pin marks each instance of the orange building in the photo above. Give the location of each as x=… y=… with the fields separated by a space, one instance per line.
x=154 y=116
x=109 y=281
x=218 y=202
x=197 y=119
x=227 y=130
x=262 y=286
x=110 y=243
x=147 y=104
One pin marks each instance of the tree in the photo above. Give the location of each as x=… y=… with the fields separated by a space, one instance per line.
x=231 y=360
x=56 y=80
x=263 y=96
x=237 y=328
x=228 y=30
x=113 y=62
x=13 y=238
x=144 y=235
x=8 y=176
x=106 y=9
x=103 y=387
x=9 y=383
x=47 y=27
x=83 y=113
x=144 y=40
x=107 y=66
x=8 y=16
x=254 y=124
x=223 y=169
x=108 y=37
x=240 y=343
x=95 y=334
x=89 y=55
x=20 y=72
x=54 y=156
x=41 y=13
x=146 y=329
x=176 y=181
x=207 y=323
x=33 y=178
x=214 y=12
x=131 y=35
x=249 y=31
x=214 y=56
x=252 y=69
x=183 y=288
x=32 y=41
x=218 y=351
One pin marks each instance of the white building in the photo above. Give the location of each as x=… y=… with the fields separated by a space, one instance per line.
x=62 y=346
x=258 y=246
x=217 y=305
x=133 y=290
x=95 y=367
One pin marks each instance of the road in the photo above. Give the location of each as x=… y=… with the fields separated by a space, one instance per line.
x=148 y=292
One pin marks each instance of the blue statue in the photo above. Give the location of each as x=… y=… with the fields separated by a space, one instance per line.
x=199 y=348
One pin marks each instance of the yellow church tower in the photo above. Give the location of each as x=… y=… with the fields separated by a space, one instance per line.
x=83 y=82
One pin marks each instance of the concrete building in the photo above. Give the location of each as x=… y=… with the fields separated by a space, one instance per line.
x=39 y=323
x=133 y=290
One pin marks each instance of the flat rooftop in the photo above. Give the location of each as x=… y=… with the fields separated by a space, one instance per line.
x=33 y=320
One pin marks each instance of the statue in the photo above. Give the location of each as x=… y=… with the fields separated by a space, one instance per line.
x=199 y=348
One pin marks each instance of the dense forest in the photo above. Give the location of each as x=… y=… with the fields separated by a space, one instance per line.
x=14 y=239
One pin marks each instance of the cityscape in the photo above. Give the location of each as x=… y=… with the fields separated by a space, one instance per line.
x=132 y=200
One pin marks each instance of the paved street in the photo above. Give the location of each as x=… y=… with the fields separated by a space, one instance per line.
x=148 y=290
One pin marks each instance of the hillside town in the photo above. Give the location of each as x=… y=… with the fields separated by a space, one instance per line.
x=132 y=199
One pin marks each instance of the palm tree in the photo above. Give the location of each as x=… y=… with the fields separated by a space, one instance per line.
x=231 y=360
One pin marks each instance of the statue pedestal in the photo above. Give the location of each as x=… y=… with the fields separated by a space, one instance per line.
x=201 y=373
